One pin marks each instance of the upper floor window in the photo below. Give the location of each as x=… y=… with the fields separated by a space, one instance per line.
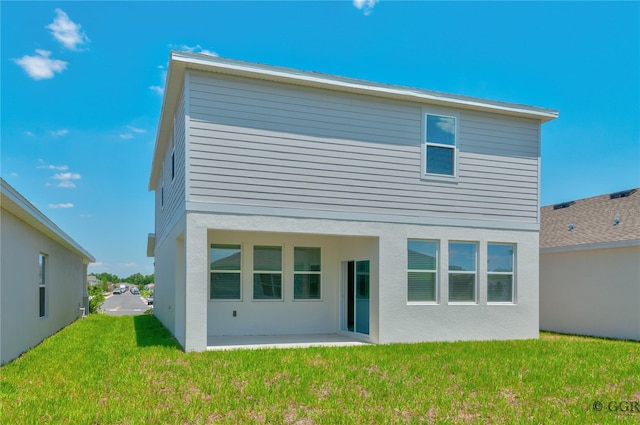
x=440 y=145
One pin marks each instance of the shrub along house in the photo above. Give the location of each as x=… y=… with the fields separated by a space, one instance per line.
x=296 y=203
x=43 y=276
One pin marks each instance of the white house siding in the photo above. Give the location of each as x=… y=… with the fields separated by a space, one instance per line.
x=20 y=325
x=168 y=213
x=253 y=143
x=591 y=292
x=392 y=318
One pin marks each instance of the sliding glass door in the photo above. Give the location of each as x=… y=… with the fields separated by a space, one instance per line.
x=356 y=296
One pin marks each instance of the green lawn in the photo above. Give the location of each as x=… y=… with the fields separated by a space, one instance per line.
x=128 y=370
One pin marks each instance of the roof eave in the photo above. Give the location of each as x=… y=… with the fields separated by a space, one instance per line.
x=28 y=213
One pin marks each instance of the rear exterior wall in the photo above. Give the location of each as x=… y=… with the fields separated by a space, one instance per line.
x=259 y=144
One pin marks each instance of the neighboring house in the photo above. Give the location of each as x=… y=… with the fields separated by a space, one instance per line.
x=590 y=266
x=92 y=280
x=43 y=276
x=292 y=202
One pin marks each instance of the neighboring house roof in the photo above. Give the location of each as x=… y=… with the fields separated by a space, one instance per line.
x=12 y=201
x=600 y=221
x=179 y=62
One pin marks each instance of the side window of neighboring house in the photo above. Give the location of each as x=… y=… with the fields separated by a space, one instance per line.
x=225 y=263
x=307 y=273
x=267 y=272
x=42 y=285
x=463 y=272
x=162 y=188
x=422 y=271
x=500 y=269
x=440 y=149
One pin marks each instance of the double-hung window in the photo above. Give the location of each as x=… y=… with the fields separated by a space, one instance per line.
x=225 y=266
x=500 y=267
x=422 y=273
x=463 y=272
x=307 y=273
x=267 y=272
x=42 y=286
x=440 y=146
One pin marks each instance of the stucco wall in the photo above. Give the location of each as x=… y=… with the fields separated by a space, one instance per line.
x=392 y=319
x=591 y=292
x=21 y=326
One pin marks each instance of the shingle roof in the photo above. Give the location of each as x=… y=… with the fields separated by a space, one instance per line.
x=591 y=220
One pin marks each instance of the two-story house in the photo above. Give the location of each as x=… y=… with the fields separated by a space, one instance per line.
x=297 y=203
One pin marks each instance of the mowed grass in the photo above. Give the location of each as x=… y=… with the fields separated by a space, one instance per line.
x=128 y=370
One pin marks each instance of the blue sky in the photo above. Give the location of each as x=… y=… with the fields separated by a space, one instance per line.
x=82 y=88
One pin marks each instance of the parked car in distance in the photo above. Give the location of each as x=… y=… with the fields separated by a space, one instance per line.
x=135 y=291
x=117 y=291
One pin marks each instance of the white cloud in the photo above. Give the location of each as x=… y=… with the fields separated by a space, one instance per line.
x=28 y=133
x=446 y=125
x=40 y=66
x=58 y=133
x=65 y=180
x=67 y=32
x=67 y=176
x=67 y=205
x=86 y=216
x=198 y=49
x=126 y=136
x=67 y=184
x=54 y=167
x=14 y=174
x=365 y=5
x=136 y=130
x=128 y=265
x=157 y=89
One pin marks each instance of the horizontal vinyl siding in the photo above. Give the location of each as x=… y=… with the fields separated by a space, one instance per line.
x=264 y=144
x=174 y=195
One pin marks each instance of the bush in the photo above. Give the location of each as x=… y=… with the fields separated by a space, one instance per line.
x=96 y=299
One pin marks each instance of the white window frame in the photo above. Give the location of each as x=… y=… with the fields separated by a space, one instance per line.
x=319 y=273
x=474 y=273
x=512 y=273
x=42 y=286
x=424 y=143
x=238 y=272
x=258 y=271
x=436 y=273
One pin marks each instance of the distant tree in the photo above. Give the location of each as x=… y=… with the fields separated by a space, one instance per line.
x=104 y=285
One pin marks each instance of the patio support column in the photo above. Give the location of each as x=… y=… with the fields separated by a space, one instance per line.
x=197 y=259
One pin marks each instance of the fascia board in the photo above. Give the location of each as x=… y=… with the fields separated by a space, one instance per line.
x=591 y=246
x=215 y=64
x=18 y=205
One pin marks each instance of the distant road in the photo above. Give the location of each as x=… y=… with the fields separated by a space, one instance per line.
x=125 y=304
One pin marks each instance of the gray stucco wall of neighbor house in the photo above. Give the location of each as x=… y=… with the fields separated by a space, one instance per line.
x=591 y=292
x=20 y=326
